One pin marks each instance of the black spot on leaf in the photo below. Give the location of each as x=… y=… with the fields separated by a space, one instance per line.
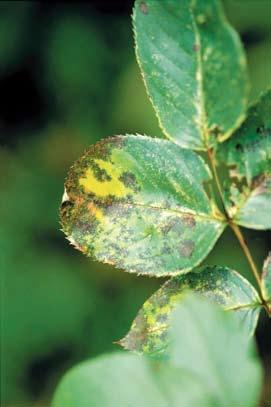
x=260 y=129
x=239 y=147
x=129 y=180
x=100 y=173
x=215 y=130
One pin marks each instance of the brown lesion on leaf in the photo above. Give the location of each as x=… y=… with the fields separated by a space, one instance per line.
x=234 y=173
x=260 y=184
x=171 y=224
x=189 y=221
x=103 y=148
x=196 y=47
x=187 y=248
x=66 y=211
x=113 y=210
x=95 y=211
x=144 y=8
x=69 y=209
x=137 y=335
x=178 y=224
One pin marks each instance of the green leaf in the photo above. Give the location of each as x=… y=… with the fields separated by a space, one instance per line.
x=208 y=342
x=248 y=155
x=194 y=69
x=221 y=285
x=139 y=203
x=266 y=279
x=121 y=380
x=199 y=371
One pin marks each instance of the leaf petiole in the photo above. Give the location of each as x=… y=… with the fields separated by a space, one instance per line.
x=217 y=181
x=252 y=264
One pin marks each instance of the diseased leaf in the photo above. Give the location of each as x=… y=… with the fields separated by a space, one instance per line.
x=211 y=363
x=194 y=68
x=149 y=331
x=248 y=156
x=122 y=380
x=207 y=341
x=266 y=279
x=139 y=203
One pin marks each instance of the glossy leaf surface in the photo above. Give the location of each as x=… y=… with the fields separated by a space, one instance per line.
x=187 y=51
x=221 y=285
x=139 y=203
x=248 y=155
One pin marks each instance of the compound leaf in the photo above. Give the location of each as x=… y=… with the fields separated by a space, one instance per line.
x=194 y=68
x=221 y=285
x=211 y=363
x=248 y=155
x=139 y=203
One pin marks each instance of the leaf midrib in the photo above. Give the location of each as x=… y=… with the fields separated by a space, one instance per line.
x=202 y=127
x=251 y=305
x=180 y=212
x=243 y=306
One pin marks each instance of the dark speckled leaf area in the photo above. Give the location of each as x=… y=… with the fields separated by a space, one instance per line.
x=221 y=285
x=248 y=155
x=187 y=52
x=139 y=203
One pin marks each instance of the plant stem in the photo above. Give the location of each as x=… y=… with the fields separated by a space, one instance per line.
x=217 y=181
x=251 y=262
x=246 y=250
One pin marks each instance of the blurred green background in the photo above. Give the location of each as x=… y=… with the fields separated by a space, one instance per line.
x=68 y=77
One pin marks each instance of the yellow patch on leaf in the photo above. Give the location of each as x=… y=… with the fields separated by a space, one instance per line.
x=102 y=189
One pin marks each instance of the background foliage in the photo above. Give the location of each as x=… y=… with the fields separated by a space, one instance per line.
x=68 y=77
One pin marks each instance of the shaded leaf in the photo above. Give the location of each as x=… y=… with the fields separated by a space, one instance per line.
x=207 y=341
x=149 y=331
x=266 y=279
x=120 y=380
x=139 y=203
x=248 y=156
x=198 y=372
x=194 y=69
